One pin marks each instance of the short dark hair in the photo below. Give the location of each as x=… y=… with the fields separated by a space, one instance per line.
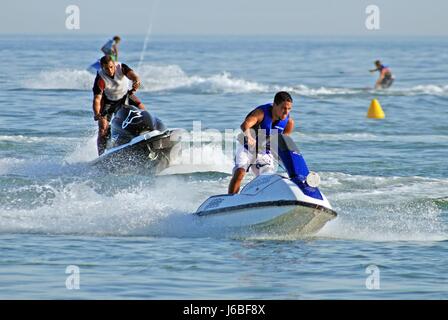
x=117 y=38
x=105 y=60
x=281 y=97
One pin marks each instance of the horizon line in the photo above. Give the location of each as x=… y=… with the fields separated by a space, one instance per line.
x=75 y=33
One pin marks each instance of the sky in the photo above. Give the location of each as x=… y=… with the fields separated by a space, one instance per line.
x=226 y=17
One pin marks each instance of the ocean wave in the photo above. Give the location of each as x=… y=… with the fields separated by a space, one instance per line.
x=430 y=89
x=34 y=139
x=171 y=78
x=61 y=79
x=362 y=136
x=359 y=186
x=321 y=91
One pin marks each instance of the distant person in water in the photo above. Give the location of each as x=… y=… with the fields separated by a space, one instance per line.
x=386 y=78
x=111 y=48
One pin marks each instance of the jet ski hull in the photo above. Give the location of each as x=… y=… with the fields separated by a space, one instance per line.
x=149 y=152
x=292 y=218
x=270 y=203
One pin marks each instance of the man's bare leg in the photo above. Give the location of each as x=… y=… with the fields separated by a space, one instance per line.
x=235 y=183
x=103 y=126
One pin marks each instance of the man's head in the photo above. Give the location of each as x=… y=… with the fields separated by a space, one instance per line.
x=108 y=65
x=378 y=63
x=117 y=39
x=282 y=105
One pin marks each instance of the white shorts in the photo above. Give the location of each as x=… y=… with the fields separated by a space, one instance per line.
x=262 y=163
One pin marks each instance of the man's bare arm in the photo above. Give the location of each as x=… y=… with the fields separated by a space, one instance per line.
x=289 y=127
x=251 y=120
x=131 y=75
x=96 y=106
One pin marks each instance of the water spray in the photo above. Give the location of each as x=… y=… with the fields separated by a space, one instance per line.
x=148 y=33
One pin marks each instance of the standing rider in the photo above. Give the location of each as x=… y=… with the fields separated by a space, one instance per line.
x=110 y=90
x=110 y=48
x=386 y=78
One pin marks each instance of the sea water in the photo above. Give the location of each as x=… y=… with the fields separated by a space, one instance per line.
x=132 y=236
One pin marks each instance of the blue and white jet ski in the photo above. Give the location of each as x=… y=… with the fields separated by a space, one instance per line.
x=137 y=141
x=274 y=203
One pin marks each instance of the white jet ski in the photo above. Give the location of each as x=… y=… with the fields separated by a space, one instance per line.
x=274 y=203
x=137 y=141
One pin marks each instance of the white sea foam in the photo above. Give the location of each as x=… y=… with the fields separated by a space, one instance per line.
x=78 y=208
x=173 y=78
x=320 y=91
x=430 y=89
x=84 y=151
x=385 y=208
x=34 y=139
x=363 y=136
x=68 y=79
x=369 y=208
x=202 y=158
x=9 y=164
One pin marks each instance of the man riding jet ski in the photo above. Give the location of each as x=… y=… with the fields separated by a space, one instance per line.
x=271 y=200
x=110 y=90
x=128 y=136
